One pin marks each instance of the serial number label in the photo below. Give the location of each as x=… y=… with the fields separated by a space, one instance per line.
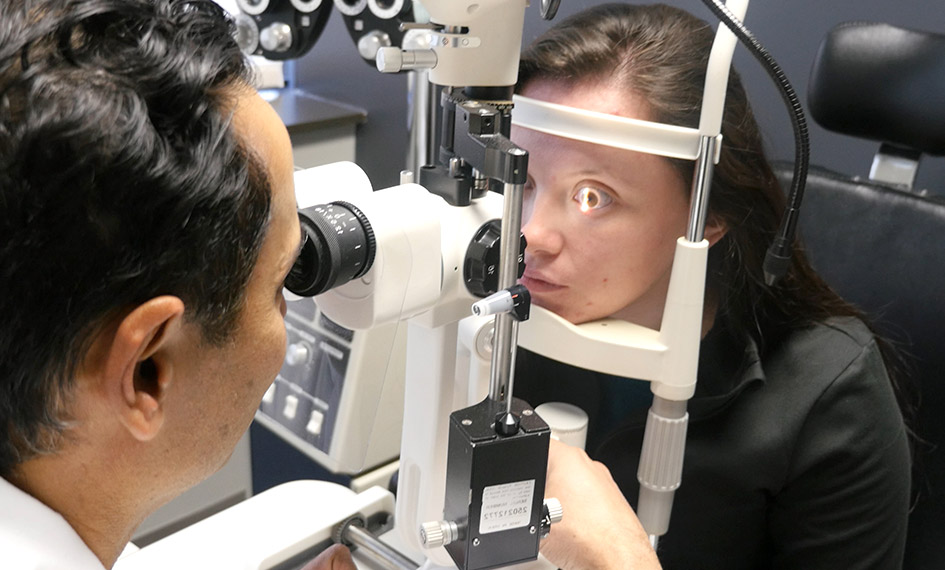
x=506 y=506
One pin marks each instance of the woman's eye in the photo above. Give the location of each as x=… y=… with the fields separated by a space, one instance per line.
x=590 y=198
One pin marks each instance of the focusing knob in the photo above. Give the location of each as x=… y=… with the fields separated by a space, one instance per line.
x=339 y=246
x=368 y=235
x=481 y=268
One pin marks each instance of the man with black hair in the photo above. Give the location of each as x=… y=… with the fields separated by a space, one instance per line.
x=147 y=222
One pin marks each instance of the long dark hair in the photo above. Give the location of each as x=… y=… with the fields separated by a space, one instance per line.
x=660 y=53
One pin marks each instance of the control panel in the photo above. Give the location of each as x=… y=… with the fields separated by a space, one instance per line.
x=339 y=395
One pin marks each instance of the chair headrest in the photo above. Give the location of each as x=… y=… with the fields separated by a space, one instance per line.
x=882 y=83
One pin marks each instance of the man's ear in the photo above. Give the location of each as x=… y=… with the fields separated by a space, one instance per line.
x=139 y=365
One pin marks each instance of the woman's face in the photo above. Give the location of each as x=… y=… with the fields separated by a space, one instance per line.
x=601 y=222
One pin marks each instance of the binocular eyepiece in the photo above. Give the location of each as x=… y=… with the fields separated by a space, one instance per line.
x=338 y=246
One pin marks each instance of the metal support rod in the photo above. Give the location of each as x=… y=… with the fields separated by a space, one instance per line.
x=503 y=343
x=421 y=118
x=511 y=381
x=699 y=207
x=382 y=553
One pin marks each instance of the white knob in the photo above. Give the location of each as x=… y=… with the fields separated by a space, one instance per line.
x=438 y=533
x=555 y=511
x=394 y=59
x=499 y=302
x=297 y=353
x=389 y=59
x=277 y=37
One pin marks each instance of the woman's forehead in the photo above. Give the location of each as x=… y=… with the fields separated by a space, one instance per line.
x=599 y=96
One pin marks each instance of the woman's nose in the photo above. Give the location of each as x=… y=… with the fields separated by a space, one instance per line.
x=542 y=228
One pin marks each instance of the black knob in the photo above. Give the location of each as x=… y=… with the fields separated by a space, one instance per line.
x=481 y=267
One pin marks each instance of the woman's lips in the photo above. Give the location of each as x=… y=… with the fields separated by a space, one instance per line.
x=536 y=283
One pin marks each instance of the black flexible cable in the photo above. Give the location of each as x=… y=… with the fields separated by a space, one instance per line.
x=778 y=257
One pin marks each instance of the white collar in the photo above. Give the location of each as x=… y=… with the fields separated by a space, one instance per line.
x=34 y=536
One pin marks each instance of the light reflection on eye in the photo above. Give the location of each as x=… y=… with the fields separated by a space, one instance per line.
x=590 y=198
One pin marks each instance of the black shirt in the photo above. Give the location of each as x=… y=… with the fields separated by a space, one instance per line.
x=797 y=460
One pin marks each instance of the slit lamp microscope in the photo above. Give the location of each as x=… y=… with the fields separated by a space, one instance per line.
x=488 y=458
x=473 y=458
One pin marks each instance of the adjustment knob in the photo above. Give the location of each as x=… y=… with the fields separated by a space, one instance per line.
x=481 y=266
x=389 y=59
x=551 y=514
x=438 y=533
x=555 y=510
x=394 y=59
x=277 y=37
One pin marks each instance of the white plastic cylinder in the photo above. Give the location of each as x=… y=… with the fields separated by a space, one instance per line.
x=717 y=72
x=568 y=422
x=661 y=462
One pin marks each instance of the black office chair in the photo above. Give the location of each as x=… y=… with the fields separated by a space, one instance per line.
x=878 y=243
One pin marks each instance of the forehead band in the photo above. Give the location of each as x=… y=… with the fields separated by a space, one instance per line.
x=609 y=130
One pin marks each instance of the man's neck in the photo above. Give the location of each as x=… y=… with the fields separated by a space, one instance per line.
x=83 y=494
